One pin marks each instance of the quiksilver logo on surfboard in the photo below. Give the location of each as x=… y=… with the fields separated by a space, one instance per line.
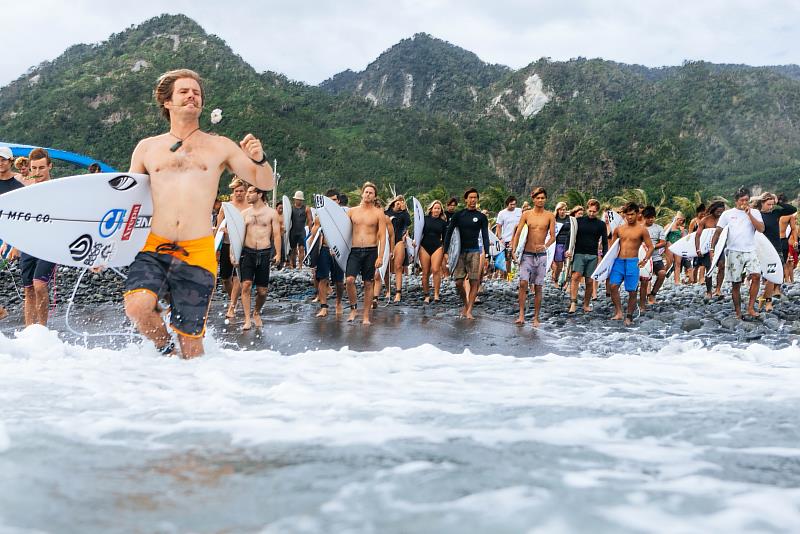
x=122 y=182
x=79 y=248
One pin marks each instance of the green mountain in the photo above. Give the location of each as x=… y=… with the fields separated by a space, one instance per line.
x=427 y=114
x=421 y=73
x=98 y=100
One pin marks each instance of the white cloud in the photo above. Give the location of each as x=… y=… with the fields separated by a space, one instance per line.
x=311 y=41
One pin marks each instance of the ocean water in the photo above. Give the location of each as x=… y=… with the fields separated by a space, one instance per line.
x=681 y=439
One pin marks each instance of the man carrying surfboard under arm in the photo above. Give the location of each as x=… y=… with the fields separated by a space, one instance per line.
x=37 y=273
x=533 y=263
x=631 y=235
x=741 y=260
x=473 y=226
x=715 y=211
x=366 y=252
x=185 y=165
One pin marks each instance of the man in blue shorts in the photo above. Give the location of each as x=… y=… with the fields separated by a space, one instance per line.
x=631 y=236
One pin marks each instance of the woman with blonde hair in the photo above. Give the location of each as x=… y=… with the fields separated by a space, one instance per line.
x=562 y=238
x=431 y=251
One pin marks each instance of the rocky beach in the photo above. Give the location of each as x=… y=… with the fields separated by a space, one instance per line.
x=681 y=313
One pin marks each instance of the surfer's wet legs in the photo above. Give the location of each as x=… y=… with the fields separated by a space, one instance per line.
x=37 y=303
x=615 y=299
x=397 y=268
x=140 y=307
x=191 y=347
x=247 y=288
x=368 y=289
x=236 y=289
x=522 y=297
x=352 y=296
x=537 y=303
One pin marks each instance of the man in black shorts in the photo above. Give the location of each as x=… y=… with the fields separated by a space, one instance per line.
x=366 y=252
x=327 y=268
x=300 y=217
x=262 y=237
x=37 y=273
x=231 y=284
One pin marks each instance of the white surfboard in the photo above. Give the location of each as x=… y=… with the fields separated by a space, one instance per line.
x=419 y=226
x=454 y=250
x=287 y=222
x=613 y=219
x=220 y=235
x=311 y=253
x=770 y=260
x=337 y=227
x=495 y=245
x=523 y=238
x=410 y=249
x=88 y=220
x=566 y=272
x=685 y=246
x=646 y=271
x=603 y=268
x=718 y=250
x=236 y=229
x=386 y=255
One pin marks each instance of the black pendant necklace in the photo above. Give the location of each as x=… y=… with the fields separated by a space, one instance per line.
x=180 y=141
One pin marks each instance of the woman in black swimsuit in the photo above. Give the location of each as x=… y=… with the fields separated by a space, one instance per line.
x=431 y=252
x=401 y=220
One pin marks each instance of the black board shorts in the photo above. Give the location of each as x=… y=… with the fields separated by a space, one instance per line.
x=254 y=265
x=189 y=288
x=225 y=265
x=35 y=269
x=362 y=261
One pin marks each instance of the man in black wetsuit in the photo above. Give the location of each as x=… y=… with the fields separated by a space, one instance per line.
x=472 y=226
x=591 y=233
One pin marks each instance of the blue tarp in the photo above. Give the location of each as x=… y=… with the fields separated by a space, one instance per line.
x=61 y=155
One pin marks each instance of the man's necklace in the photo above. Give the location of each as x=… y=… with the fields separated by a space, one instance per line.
x=180 y=141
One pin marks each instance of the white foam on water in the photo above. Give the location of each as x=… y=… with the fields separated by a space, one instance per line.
x=648 y=429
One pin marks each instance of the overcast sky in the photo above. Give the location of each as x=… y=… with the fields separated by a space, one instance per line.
x=313 y=39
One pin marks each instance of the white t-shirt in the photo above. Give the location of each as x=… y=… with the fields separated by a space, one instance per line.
x=741 y=232
x=508 y=221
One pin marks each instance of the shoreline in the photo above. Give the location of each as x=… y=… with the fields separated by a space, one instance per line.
x=290 y=324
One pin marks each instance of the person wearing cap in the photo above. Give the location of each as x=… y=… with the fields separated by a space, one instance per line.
x=301 y=218
x=8 y=182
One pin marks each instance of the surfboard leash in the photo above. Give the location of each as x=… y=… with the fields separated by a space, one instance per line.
x=86 y=335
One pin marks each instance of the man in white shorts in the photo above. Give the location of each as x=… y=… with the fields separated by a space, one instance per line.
x=741 y=260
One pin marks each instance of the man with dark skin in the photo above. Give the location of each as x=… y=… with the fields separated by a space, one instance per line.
x=659 y=269
x=185 y=165
x=472 y=226
x=741 y=261
x=711 y=219
x=533 y=264
x=631 y=236
x=366 y=252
